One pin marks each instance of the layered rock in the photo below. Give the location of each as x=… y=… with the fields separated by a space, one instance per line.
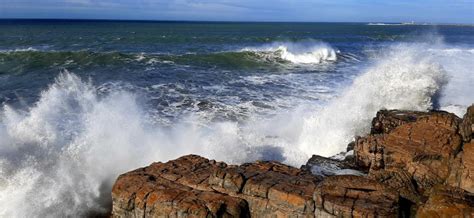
x=423 y=148
x=192 y=186
x=175 y=189
x=417 y=152
x=355 y=196
x=387 y=120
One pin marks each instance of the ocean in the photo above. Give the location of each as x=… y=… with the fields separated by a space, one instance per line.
x=84 y=101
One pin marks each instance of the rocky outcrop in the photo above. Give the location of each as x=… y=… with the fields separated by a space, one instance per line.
x=423 y=149
x=175 y=189
x=416 y=153
x=412 y=164
x=387 y=120
x=197 y=187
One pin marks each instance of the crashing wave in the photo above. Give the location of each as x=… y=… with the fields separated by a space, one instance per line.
x=306 y=52
x=406 y=79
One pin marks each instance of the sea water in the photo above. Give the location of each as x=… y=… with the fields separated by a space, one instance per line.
x=84 y=101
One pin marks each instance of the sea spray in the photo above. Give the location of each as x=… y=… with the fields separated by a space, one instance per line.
x=404 y=79
x=61 y=156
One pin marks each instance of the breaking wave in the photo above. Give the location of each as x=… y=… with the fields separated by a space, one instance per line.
x=270 y=55
x=305 y=52
x=405 y=79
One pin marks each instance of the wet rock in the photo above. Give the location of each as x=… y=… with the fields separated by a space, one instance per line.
x=322 y=166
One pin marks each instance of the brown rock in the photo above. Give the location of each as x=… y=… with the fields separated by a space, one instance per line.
x=467 y=125
x=424 y=149
x=387 y=120
x=178 y=188
x=418 y=155
x=447 y=202
x=196 y=187
x=348 y=195
x=400 y=180
x=270 y=188
x=462 y=169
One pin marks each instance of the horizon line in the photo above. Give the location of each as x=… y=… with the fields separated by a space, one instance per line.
x=220 y=21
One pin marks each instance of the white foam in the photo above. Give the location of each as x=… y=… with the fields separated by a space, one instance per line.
x=60 y=157
x=405 y=79
x=19 y=50
x=304 y=52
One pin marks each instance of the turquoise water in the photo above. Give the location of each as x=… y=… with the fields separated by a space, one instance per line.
x=83 y=101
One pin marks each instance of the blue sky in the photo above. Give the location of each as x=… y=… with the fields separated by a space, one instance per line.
x=439 y=11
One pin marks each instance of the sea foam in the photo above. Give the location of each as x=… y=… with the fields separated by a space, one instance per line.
x=404 y=79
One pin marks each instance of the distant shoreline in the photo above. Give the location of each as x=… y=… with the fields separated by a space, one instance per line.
x=207 y=21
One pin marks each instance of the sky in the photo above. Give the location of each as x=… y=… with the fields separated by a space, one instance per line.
x=434 y=11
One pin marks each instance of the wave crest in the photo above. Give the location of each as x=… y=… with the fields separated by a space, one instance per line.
x=304 y=52
x=406 y=79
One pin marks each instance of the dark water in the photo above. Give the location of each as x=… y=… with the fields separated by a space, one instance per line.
x=83 y=101
x=193 y=56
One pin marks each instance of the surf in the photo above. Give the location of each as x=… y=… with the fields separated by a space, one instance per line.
x=302 y=52
x=61 y=154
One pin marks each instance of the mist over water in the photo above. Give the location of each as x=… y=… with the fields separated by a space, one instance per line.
x=61 y=153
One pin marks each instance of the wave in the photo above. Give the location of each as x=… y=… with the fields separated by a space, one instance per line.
x=26 y=60
x=405 y=79
x=19 y=50
x=60 y=156
x=304 y=52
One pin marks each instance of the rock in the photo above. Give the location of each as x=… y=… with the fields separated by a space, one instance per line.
x=400 y=180
x=323 y=166
x=462 y=169
x=447 y=202
x=423 y=148
x=467 y=126
x=175 y=189
x=416 y=153
x=387 y=120
x=194 y=186
x=348 y=196
x=270 y=188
